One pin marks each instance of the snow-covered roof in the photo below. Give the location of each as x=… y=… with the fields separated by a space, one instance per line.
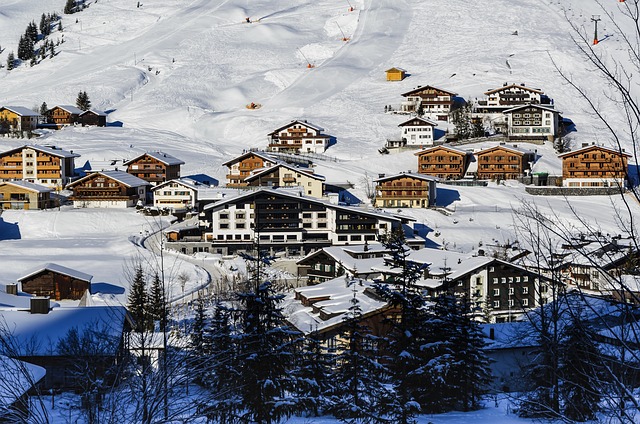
x=95 y=112
x=417 y=118
x=594 y=147
x=534 y=105
x=395 y=68
x=509 y=335
x=29 y=186
x=120 y=176
x=260 y=172
x=60 y=270
x=21 y=110
x=298 y=121
x=297 y=194
x=511 y=148
x=71 y=109
x=262 y=155
x=420 y=88
x=450 y=148
x=422 y=177
x=165 y=158
x=16 y=378
x=520 y=86
x=338 y=293
x=341 y=254
x=39 y=334
x=51 y=150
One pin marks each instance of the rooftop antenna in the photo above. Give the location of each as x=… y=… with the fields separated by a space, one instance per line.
x=309 y=64
x=344 y=37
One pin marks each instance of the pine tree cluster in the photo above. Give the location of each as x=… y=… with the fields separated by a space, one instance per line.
x=27 y=50
x=82 y=101
x=258 y=369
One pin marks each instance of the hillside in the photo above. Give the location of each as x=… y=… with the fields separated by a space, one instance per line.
x=177 y=78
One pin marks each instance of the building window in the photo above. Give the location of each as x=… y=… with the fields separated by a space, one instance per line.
x=496 y=303
x=496 y=292
x=495 y=280
x=525 y=290
x=525 y=302
x=511 y=303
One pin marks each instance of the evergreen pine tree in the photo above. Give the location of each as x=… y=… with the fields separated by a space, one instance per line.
x=359 y=394
x=69 y=7
x=470 y=374
x=198 y=328
x=52 y=51
x=265 y=353
x=83 y=102
x=580 y=371
x=138 y=299
x=11 y=61
x=312 y=376
x=157 y=304
x=45 y=25
x=218 y=368
x=44 y=109
x=32 y=32
x=406 y=362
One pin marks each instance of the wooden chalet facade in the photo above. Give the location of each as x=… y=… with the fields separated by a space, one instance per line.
x=154 y=167
x=503 y=162
x=443 y=162
x=93 y=118
x=282 y=221
x=298 y=136
x=395 y=74
x=56 y=282
x=62 y=115
x=594 y=166
x=18 y=118
x=435 y=103
x=45 y=165
x=405 y=191
x=108 y=189
x=242 y=166
x=532 y=122
x=283 y=175
x=417 y=132
x=24 y=195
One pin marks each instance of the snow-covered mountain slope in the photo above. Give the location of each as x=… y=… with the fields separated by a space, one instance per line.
x=176 y=76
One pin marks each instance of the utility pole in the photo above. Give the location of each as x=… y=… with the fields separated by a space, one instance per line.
x=595 y=19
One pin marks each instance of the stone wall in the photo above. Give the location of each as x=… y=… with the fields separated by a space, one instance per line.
x=572 y=191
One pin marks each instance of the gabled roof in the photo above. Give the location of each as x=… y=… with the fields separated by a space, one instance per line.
x=269 y=170
x=60 y=270
x=506 y=87
x=547 y=108
x=71 y=109
x=513 y=149
x=165 y=158
x=342 y=255
x=296 y=195
x=395 y=68
x=417 y=118
x=95 y=112
x=119 y=176
x=21 y=110
x=422 y=177
x=593 y=147
x=39 y=334
x=18 y=378
x=262 y=155
x=28 y=186
x=52 y=150
x=298 y=121
x=434 y=148
x=185 y=182
x=420 y=88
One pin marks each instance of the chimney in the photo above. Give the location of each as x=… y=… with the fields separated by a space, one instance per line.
x=39 y=305
x=11 y=289
x=585 y=144
x=380 y=175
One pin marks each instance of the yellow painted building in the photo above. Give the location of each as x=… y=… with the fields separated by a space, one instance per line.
x=24 y=195
x=18 y=118
x=395 y=74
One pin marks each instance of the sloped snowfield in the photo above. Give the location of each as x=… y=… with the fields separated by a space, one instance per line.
x=177 y=77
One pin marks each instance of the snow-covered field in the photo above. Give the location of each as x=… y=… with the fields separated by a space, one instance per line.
x=177 y=78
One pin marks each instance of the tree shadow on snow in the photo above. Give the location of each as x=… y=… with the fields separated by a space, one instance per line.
x=106 y=288
x=438 y=134
x=423 y=231
x=446 y=196
x=634 y=175
x=9 y=230
x=203 y=179
x=115 y=124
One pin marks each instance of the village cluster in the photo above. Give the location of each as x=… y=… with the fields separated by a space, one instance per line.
x=274 y=198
